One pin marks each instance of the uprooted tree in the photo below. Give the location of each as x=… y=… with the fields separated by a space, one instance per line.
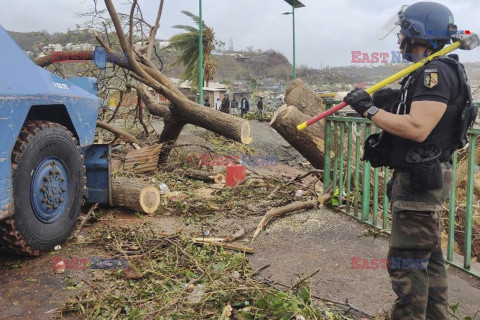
x=133 y=54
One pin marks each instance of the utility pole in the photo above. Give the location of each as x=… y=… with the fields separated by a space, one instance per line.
x=295 y=5
x=294 y=63
x=200 y=55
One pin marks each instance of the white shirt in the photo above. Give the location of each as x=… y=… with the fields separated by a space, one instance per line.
x=217 y=104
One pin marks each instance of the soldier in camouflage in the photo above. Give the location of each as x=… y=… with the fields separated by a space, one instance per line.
x=420 y=123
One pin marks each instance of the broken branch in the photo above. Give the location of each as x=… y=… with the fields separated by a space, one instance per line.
x=276 y=212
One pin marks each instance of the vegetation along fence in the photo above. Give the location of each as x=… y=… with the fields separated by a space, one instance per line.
x=360 y=191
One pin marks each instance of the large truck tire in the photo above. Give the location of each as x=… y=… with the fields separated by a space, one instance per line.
x=48 y=188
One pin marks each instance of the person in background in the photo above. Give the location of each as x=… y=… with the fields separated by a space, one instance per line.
x=260 y=104
x=207 y=103
x=244 y=106
x=225 y=107
x=217 y=104
x=234 y=104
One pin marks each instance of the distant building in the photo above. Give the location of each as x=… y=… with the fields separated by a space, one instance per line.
x=211 y=92
x=53 y=47
x=242 y=58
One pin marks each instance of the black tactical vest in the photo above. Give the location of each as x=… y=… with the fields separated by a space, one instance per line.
x=446 y=134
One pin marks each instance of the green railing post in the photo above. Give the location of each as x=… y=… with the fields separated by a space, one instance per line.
x=469 y=204
x=340 y=171
x=375 y=198
x=357 y=171
x=451 y=210
x=335 y=159
x=385 y=199
x=349 y=164
x=328 y=141
x=366 y=178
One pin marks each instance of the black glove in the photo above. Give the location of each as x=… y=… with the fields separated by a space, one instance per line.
x=385 y=98
x=360 y=100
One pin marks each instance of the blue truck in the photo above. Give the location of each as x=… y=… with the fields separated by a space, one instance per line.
x=48 y=128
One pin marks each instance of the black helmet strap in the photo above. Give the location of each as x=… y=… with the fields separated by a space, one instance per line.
x=408 y=45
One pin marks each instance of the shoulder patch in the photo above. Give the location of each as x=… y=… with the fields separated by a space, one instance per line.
x=430 y=78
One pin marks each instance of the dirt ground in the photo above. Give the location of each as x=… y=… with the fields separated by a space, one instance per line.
x=289 y=249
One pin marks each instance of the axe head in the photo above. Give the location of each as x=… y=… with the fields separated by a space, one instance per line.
x=469 y=41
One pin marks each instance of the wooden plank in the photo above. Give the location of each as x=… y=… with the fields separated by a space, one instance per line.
x=143 y=160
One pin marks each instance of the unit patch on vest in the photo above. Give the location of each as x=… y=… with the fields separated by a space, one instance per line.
x=430 y=78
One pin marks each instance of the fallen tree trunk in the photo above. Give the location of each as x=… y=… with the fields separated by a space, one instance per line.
x=213 y=120
x=186 y=111
x=190 y=112
x=310 y=142
x=135 y=195
x=172 y=128
x=205 y=176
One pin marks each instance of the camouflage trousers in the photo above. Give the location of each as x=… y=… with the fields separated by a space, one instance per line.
x=415 y=259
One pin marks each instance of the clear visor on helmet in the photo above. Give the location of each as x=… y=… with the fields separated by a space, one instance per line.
x=391 y=24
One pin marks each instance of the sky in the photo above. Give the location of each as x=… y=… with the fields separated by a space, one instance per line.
x=327 y=31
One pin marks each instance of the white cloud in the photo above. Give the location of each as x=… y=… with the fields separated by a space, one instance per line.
x=327 y=30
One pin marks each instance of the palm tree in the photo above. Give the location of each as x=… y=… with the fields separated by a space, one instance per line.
x=187 y=44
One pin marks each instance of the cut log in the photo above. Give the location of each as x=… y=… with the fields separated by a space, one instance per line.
x=276 y=212
x=205 y=176
x=224 y=124
x=134 y=194
x=310 y=142
x=301 y=96
x=190 y=112
x=143 y=160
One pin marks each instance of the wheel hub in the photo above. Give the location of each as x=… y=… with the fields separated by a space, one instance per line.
x=49 y=189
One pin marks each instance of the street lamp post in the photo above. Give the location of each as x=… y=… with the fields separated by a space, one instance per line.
x=295 y=5
x=200 y=54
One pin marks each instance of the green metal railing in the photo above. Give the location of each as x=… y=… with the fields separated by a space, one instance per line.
x=364 y=189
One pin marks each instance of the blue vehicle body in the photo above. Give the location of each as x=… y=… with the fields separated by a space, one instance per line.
x=29 y=92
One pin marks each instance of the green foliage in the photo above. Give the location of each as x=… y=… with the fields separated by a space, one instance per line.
x=260 y=116
x=181 y=280
x=187 y=45
x=454 y=307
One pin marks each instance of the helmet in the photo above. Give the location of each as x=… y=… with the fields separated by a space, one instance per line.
x=423 y=20
x=427 y=21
